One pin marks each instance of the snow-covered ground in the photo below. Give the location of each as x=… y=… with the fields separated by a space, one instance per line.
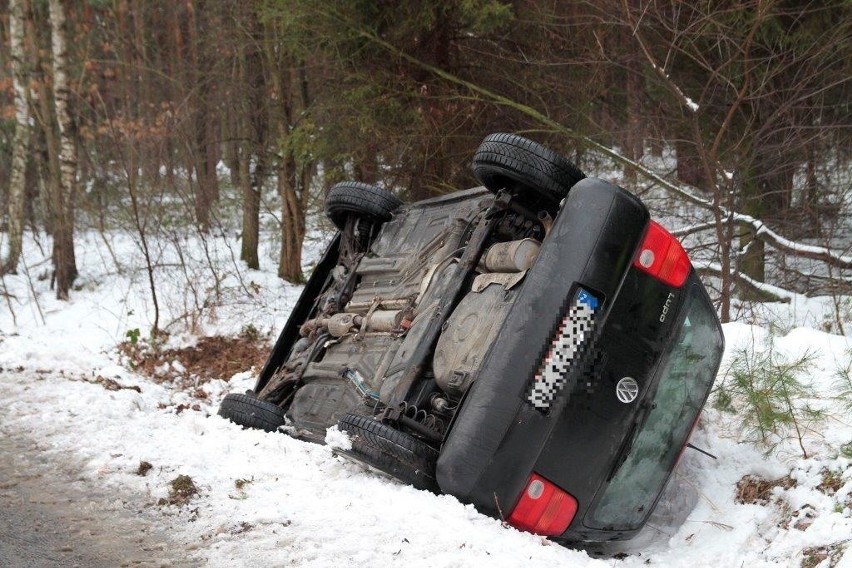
x=267 y=499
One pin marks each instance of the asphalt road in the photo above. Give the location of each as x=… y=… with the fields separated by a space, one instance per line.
x=49 y=516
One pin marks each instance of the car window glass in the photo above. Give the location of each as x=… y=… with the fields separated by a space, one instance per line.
x=681 y=390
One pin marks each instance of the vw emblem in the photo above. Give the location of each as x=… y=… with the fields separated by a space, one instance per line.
x=627 y=390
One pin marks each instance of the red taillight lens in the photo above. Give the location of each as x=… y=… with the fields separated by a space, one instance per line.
x=663 y=257
x=544 y=508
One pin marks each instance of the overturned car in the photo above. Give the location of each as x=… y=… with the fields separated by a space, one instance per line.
x=538 y=346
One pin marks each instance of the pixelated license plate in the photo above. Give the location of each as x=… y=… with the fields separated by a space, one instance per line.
x=571 y=338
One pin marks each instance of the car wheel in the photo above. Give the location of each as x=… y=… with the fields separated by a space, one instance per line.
x=251 y=412
x=360 y=199
x=521 y=166
x=391 y=451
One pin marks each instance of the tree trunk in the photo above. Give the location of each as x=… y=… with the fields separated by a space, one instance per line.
x=251 y=212
x=254 y=141
x=690 y=167
x=752 y=262
x=63 y=201
x=294 y=174
x=774 y=176
x=210 y=148
x=766 y=196
x=293 y=190
x=20 y=146
x=242 y=151
x=205 y=151
x=634 y=138
x=231 y=149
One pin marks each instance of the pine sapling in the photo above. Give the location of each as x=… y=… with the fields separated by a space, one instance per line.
x=765 y=389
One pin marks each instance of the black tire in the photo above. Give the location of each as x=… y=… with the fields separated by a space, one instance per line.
x=360 y=199
x=387 y=449
x=251 y=412
x=521 y=166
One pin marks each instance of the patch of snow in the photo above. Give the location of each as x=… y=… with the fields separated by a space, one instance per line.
x=266 y=498
x=337 y=439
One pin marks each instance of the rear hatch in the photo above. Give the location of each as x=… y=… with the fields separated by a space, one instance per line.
x=660 y=426
x=619 y=438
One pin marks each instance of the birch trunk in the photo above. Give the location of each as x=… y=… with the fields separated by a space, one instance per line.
x=20 y=148
x=63 y=200
x=45 y=142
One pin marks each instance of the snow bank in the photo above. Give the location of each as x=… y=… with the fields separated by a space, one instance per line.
x=272 y=500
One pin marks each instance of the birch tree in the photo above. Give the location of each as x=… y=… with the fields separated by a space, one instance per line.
x=62 y=202
x=20 y=146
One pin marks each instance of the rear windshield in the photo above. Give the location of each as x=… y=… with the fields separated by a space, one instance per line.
x=683 y=386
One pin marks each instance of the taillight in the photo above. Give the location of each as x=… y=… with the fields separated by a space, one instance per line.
x=663 y=257
x=544 y=508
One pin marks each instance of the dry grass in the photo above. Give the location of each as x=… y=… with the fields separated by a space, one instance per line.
x=181 y=490
x=753 y=489
x=214 y=357
x=831 y=482
x=144 y=468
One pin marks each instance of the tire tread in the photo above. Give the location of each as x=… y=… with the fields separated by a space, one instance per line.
x=251 y=412
x=507 y=157
x=355 y=197
x=391 y=451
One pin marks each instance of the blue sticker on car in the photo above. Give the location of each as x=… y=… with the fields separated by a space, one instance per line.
x=584 y=297
x=572 y=335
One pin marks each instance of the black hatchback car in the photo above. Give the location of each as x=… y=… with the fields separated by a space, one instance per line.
x=538 y=347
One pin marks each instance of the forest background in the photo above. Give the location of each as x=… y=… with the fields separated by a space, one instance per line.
x=146 y=115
